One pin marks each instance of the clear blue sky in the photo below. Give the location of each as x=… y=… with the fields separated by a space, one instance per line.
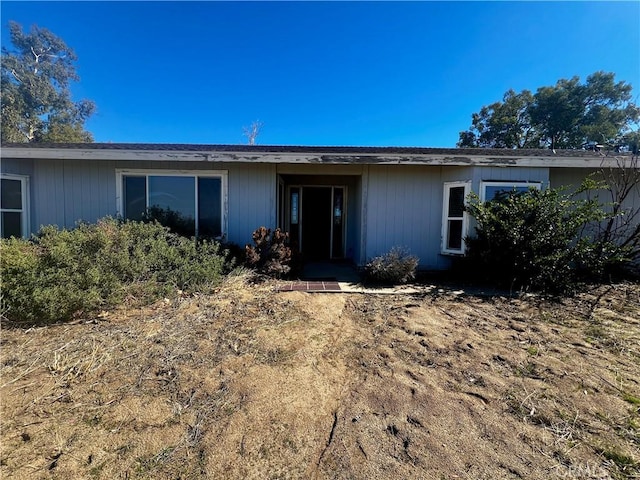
x=327 y=73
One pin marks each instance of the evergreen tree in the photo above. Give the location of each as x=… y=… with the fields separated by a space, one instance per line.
x=35 y=98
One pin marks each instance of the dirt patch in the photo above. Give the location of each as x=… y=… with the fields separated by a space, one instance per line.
x=252 y=383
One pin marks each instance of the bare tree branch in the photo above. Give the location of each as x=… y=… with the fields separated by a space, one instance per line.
x=252 y=131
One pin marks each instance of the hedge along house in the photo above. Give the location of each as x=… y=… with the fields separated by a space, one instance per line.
x=338 y=203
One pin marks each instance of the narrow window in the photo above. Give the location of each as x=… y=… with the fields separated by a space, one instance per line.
x=209 y=206
x=13 y=209
x=135 y=197
x=454 y=221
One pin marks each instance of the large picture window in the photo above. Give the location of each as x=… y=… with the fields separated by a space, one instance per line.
x=14 y=210
x=189 y=203
x=454 y=220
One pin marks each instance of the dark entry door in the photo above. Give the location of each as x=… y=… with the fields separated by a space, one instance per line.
x=316 y=223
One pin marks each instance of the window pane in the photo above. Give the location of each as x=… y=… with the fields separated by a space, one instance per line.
x=172 y=200
x=295 y=196
x=135 y=197
x=454 y=239
x=456 y=202
x=338 y=223
x=11 y=224
x=491 y=192
x=11 y=194
x=209 y=207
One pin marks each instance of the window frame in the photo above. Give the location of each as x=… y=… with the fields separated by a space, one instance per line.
x=509 y=184
x=446 y=218
x=221 y=174
x=25 y=218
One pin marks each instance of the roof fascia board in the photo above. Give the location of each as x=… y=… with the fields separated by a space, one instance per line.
x=311 y=158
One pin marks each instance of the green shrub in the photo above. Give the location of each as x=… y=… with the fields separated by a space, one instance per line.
x=61 y=273
x=270 y=254
x=396 y=266
x=539 y=240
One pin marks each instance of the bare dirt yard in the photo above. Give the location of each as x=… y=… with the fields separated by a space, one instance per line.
x=249 y=382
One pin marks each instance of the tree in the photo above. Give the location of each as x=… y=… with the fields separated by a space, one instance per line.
x=505 y=124
x=35 y=99
x=252 y=131
x=567 y=115
x=632 y=141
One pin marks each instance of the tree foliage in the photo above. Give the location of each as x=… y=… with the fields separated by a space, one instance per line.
x=550 y=240
x=505 y=124
x=569 y=114
x=35 y=97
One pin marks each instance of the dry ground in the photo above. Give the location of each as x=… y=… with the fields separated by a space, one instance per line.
x=251 y=383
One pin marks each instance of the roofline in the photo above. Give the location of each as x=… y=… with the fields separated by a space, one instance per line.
x=318 y=155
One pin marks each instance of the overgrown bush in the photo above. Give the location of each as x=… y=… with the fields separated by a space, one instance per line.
x=59 y=274
x=396 y=266
x=270 y=253
x=541 y=240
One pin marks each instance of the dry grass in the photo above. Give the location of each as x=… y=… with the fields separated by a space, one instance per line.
x=250 y=383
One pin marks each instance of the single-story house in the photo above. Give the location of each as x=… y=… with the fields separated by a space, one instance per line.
x=349 y=203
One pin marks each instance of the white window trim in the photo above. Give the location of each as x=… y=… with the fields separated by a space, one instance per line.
x=222 y=174
x=507 y=184
x=445 y=218
x=25 y=211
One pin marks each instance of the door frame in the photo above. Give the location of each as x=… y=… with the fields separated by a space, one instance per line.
x=286 y=224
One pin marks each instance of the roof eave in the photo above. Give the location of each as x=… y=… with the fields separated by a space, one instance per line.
x=324 y=157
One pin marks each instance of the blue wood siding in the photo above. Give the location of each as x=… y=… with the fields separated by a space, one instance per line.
x=64 y=192
x=16 y=166
x=571 y=178
x=568 y=177
x=252 y=200
x=404 y=209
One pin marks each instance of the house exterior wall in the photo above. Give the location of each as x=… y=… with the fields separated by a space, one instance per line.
x=404 y=206
x=63 y=192
x=17 y=167
x=571 y=178
x=388 y=204
x=354 y=220
x=251 y=199
x=404 y=209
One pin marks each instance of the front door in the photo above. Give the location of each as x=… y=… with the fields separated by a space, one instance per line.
x=317 y=220
x=316 y=223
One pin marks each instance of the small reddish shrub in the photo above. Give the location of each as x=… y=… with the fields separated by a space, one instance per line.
x=270 y=254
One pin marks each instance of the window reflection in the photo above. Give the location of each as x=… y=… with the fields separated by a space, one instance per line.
x=172 y=200
x=177 y=194
x=209 y=207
